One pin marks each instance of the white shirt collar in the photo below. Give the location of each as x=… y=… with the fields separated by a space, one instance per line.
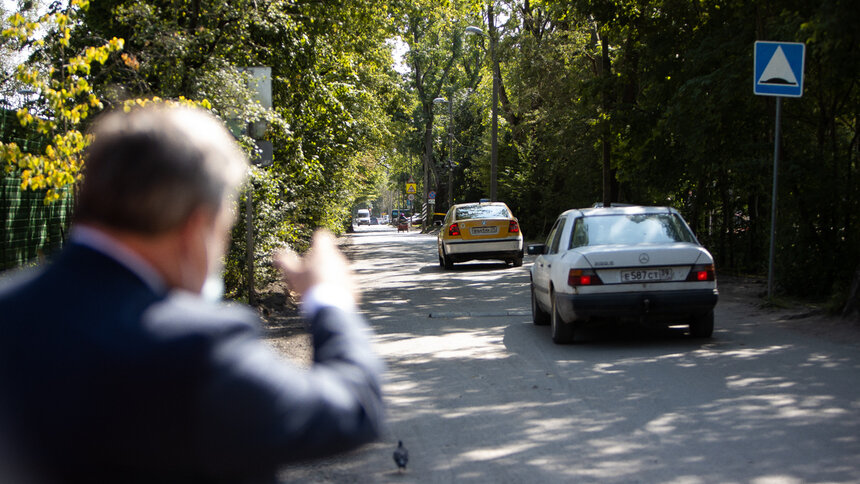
x=99 y=241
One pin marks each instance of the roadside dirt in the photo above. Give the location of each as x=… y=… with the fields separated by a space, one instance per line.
x=284 y=329
x=806 y=318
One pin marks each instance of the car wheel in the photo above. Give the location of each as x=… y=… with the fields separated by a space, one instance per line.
x=539 y=316
x=562 y=333
x=445 y=261
x=702 y=326
x=518 y=261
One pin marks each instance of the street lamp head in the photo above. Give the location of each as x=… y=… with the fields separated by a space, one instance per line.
x=475 y=30
x=440 y=100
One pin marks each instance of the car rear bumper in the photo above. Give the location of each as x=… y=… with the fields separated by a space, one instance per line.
x=495 y=249
x=653 y=305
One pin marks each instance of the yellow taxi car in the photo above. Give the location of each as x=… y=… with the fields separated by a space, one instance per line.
x=480 y=231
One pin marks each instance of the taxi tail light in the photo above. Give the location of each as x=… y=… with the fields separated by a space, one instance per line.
x=583 y=277
x=454 y=230
x=513 y=227
x=700 y=273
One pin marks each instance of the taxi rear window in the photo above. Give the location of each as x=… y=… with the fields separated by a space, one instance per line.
x=481 y=211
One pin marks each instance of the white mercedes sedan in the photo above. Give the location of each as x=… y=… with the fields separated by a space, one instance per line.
x=622 y=264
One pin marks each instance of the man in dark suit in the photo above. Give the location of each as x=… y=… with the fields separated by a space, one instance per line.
x=114 y=368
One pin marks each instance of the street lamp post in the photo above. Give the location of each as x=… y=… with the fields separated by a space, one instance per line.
x=450 y=102
x=494 y=139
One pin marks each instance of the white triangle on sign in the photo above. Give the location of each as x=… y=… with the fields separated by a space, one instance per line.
x=778 y=71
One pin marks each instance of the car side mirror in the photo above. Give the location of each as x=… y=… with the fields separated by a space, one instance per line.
x=537 y=249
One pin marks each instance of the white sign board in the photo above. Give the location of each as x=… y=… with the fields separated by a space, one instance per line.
x=261 y=84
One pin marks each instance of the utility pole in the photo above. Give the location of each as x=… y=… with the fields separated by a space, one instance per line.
x=450 y=102
x=494 y=148
x=606 y=134
x=450 y=151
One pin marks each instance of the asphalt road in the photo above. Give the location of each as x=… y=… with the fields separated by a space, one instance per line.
x=478 y=393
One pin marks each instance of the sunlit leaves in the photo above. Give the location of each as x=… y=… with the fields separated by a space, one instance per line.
x=67 y=99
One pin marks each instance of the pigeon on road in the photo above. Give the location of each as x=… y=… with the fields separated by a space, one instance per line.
x=401 y=456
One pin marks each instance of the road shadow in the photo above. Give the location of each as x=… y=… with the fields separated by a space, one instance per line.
x=493 y=399
x=467 y=267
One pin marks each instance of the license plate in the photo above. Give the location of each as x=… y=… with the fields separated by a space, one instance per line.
x=647 y=275
x=484 y=230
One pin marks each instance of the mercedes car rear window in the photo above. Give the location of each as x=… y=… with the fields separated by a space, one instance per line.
x=663 y=228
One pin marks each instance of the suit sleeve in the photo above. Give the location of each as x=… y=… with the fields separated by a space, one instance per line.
x=259 y=411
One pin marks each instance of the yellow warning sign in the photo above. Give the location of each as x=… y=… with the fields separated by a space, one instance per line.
x=410 y=188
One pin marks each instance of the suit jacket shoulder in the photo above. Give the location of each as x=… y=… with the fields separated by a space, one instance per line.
x=183 y=313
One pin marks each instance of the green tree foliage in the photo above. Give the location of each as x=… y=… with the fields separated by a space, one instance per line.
x=437 y=68
x=332 y=86
x=650 y=97
x=660 y=91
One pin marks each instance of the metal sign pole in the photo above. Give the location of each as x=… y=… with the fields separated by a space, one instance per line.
x=773 y=201
x=778 y=72
x=260 y=84
x=249 y=244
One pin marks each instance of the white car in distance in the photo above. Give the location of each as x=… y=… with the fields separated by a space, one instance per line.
x=362 y=217
x=622 y=264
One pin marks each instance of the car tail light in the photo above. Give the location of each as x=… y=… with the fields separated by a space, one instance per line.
x=701 y=273
x=513 y=227
x=454 y=230
x=583 y=277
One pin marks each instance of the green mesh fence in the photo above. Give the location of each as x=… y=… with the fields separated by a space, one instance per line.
x=11 y=131
x=29 y=229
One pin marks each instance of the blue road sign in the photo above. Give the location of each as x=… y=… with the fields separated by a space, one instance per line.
x=778 y=68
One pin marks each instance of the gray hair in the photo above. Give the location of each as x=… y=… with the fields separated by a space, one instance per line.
x=149 y=169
